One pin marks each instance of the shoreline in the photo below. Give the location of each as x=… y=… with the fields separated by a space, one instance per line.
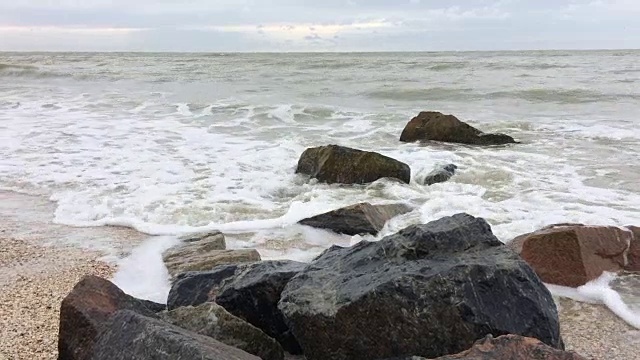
x=40 y=262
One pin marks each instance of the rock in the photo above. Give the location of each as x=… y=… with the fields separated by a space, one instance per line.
x=362 y=218
x=213 y=320
x=249 y=291
x=440 y=174
x=634 y=250
x=507 y=347
x=574 y=254
x=339 y=164
x=429 y=290
x=190 y=258
x=86 y=309
x=436 y=126
x=132 y=336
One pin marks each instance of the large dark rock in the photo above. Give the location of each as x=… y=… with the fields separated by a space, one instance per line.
x=436 y=126
x=131 y=336
x=440 y=174
x=574 y=254
x=362 y=218
x=86 y=309
x=249 y=291
x=339 y=164
x=429 y=290
x=507 y=347
x=213 y=320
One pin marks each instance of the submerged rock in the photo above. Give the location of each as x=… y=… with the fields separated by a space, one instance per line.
x=440 y=174
x=213 y=320
x=132 y=336
x=507 y=347
x=362 y=218
x=574 y=254
x=340 y=164
x=249 y=291
x=436 y=126
x=429 y=290
x=85 y=311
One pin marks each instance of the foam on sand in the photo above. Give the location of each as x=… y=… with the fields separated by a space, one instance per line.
x=143 y=273
x=598 y=291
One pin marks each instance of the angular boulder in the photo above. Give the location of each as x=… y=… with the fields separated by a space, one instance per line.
x=436 y=126
x=357 y=219
x=129 y=335
x=248 y=291
x=429 y=290
x=214 y=321
x=440 y=174
x=574 y=254
x=86 y=309
x=344 y=165
x=507 y=347
x=634 y=250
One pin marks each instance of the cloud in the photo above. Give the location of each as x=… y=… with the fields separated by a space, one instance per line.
x=308 y=25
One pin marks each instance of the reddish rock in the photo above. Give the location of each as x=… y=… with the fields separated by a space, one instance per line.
x=634 y=250
x=433 y=125
x=86 y=309
x=574 y=254
x=509 y=347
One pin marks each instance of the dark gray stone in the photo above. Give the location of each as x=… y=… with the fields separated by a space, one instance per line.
x=344 y=165
x=440 y=174
x=212 y=320
x=132 y=336
x=429 y=290
x=248 y=291
x=357 y=219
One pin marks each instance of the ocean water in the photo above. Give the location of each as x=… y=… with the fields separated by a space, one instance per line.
x=173 y=143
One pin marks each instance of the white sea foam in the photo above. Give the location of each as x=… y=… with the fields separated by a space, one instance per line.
x=143 y=273
x=599 y=292
x=167 y=151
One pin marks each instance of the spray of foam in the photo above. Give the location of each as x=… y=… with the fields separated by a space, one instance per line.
x=599 y=292
x=143 y=273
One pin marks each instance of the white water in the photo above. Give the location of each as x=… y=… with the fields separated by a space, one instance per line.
x=176 y=143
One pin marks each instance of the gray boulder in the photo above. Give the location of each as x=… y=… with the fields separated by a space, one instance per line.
x=440 y=174
x=429 y=290
x=362 y=218
x=213 y=320
x=436 y=126
x=248 y=291
x=132 y=336
x=344 y=165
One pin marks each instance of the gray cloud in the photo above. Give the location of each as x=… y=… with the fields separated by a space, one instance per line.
x=342 y=25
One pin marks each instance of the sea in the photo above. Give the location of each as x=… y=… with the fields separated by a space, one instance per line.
x=171 y=143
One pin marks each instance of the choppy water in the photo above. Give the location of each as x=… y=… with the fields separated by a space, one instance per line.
x=173 y=142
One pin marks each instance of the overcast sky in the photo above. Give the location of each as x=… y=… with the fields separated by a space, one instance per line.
x=317 y=25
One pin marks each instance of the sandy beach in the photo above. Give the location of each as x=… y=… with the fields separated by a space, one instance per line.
x=35 y=276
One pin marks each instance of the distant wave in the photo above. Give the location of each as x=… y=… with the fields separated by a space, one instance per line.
x=448 y=66
x=534 y=66
x=436 y=93
x=28 y=71
x=570 y=96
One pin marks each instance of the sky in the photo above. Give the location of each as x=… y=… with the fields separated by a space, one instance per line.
x=317 y=25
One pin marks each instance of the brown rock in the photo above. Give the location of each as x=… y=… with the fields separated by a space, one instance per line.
x=509 y=347
x=574 y=254
x=339 y=164
x=196 y=244
x=436 y=126
x=85 y=310
x=634 y=250
x=202 y=261
x=362 y=218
